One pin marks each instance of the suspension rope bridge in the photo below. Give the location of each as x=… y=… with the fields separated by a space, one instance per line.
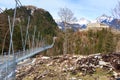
x=8 y=63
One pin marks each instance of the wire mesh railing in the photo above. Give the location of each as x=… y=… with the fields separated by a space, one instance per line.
x=8 y=61
x=8 y=67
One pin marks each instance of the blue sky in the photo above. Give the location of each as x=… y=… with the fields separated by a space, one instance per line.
x=89 y=9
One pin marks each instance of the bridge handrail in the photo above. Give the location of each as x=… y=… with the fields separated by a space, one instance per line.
x=14 y=61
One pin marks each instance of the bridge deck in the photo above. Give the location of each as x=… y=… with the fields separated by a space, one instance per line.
x=7 y=69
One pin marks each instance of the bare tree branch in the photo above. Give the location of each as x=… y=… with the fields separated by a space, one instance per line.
x=116 y=11
x=66 y=16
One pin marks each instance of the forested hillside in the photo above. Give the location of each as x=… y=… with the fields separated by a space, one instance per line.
x=39 y=18
x=79 y=42
x=88 y=42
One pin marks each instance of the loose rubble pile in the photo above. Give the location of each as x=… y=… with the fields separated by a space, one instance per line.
x=70 y=67
x=109 y=62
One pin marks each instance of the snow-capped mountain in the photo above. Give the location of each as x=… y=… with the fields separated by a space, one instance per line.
x=104 y=17
x=75 y=25
x=83 y=21
x=108 y=20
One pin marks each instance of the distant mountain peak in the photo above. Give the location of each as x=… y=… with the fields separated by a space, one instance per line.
x=104 y=17
x=83 y=21
x=75 y=25
x=108 y=20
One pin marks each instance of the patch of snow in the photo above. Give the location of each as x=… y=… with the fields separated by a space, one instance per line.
x=82 y=21
x=59 y=27
x=104 y=17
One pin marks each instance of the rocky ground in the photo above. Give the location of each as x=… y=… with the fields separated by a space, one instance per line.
x=70 y=67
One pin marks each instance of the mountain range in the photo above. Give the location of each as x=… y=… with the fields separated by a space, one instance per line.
x=108 y=20
x=82 y=22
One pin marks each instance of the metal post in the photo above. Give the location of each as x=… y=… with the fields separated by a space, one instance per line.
x=22 y=37
x=12 y=30
x=38 y=39
x=33 y=43
x=27 y=32
x=41 y=41
x=14 y=67
x=6 y=67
